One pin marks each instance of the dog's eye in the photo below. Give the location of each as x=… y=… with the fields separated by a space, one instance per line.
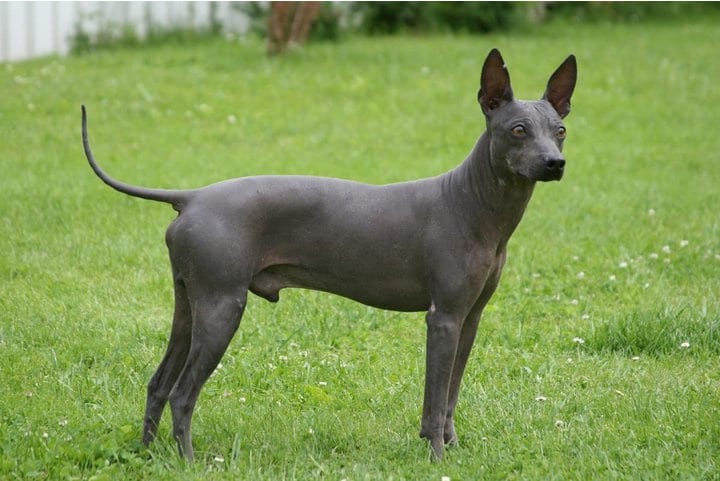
x=560 y=133
x=518 y=131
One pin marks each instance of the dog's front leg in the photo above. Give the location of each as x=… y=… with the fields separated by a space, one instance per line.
x=465 y=343
x=443 y=332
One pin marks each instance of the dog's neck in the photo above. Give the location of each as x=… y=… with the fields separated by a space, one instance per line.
x=489 y=197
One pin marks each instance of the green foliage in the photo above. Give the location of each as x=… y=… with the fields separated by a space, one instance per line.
x=472 y=17
x=632 y=12
x=580 y=370
x=327 y=23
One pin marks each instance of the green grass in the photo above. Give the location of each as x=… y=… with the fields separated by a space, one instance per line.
x=622 y=254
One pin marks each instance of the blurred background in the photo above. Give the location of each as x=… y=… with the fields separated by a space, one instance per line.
x=31 y=29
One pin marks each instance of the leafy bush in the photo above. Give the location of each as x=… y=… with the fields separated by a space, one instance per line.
x=327 y=23
x=628 y=11
x=473 y=17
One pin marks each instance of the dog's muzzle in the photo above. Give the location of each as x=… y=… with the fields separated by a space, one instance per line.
x=553 y=169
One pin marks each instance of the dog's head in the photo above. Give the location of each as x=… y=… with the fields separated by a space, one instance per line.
x=526 y=137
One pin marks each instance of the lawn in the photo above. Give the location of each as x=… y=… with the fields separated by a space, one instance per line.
x=598 y=357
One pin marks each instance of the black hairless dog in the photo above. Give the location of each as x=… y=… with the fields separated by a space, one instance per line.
x=434 y=245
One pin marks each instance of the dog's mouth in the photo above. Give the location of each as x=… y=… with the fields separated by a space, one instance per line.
x=550 y=175
x=541 y=174
x=544 y=169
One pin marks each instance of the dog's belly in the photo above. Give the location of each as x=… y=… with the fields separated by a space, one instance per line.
x=392 y=293
x=355 y=240
x=359 y=241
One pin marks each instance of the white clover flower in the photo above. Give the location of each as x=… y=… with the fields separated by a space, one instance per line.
x=559 y=423
x=581 y=275
x=684 y=243
x=612 y=278
x=653 y=255
x=651 y=212
x=685 y=345
x=231 y=119
x=666 y=249
x=578 y=340
x=203 y=107
x=623 y=265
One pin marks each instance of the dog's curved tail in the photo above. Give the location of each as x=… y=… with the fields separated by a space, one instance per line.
x=178 y=198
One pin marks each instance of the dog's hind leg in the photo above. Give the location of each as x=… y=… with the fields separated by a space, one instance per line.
x=163 y=380
x=216 y=317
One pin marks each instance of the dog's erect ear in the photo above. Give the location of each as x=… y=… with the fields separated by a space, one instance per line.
x=495 y=90
x=561 y=85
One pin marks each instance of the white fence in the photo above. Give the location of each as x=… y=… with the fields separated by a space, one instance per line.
x=32 y=29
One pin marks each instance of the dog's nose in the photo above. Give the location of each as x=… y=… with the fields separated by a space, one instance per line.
x=556 y=164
